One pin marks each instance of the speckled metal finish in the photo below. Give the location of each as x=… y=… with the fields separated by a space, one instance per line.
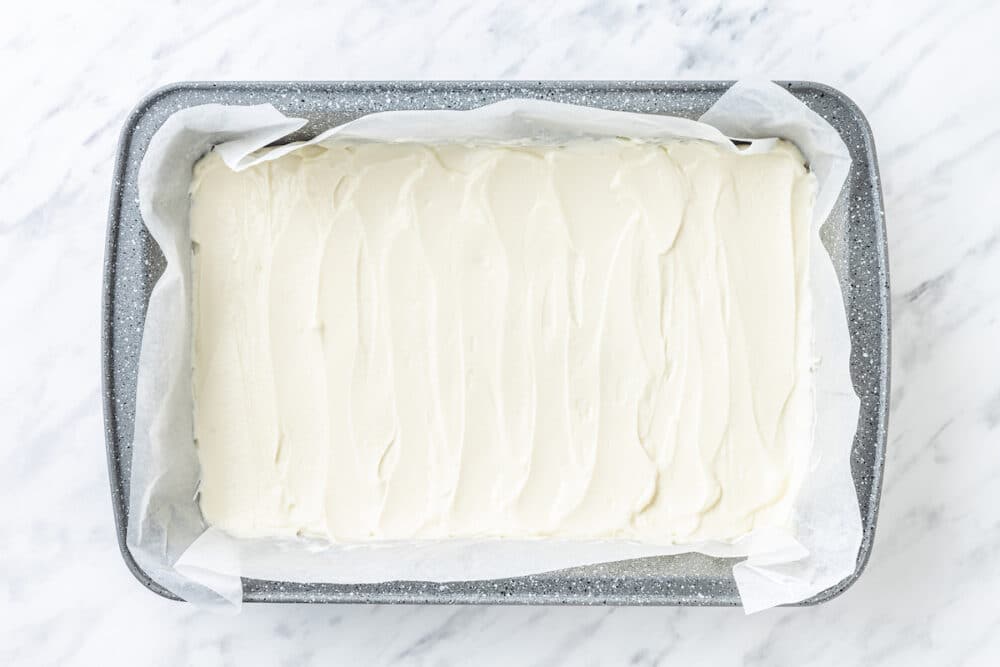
x=133 y=263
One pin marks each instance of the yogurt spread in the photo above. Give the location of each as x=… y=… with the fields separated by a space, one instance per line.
x=600 y=339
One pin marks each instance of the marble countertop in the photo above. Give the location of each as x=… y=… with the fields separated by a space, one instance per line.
x=923 y=77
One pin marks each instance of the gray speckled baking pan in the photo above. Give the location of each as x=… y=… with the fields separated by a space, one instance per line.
x=133 y=263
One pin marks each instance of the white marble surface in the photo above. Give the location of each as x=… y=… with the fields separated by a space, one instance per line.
x=926 y=78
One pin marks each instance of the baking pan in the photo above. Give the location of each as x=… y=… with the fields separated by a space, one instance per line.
x=133 y=263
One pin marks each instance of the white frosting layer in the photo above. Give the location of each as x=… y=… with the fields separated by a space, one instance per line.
x=600 y=339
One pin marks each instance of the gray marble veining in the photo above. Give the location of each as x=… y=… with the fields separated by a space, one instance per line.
x=920 y=71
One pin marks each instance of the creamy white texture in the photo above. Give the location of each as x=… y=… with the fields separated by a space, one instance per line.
x=600 y=339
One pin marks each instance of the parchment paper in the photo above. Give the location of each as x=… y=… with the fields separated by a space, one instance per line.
x=170 y=540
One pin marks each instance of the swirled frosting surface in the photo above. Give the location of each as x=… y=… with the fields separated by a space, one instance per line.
x=599 y=339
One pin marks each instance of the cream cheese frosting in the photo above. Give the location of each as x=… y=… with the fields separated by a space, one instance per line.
x=600 y=339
